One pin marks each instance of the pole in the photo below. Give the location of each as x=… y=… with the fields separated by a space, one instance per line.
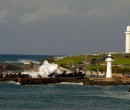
x=4 y=71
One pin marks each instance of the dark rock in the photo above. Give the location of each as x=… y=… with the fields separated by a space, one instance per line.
x=129 y=90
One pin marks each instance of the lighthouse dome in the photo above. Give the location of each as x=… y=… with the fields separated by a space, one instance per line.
x=109 y=56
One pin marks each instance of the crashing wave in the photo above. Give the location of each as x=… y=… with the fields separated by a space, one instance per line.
x=44 y=70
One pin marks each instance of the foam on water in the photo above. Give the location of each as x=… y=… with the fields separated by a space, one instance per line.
x=71 y=83
x=12 y=82
x=27 y=61
x=24 y=61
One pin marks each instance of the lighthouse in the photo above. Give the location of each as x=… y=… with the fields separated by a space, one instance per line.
x=127 y=48
x=109 y=66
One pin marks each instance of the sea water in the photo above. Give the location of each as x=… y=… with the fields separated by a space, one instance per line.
x=14 y=58
x=63 y=97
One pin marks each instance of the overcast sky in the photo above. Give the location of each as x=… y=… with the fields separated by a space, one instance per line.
x=63 y=27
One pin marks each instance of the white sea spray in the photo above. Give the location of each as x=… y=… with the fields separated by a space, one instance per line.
x=44 y=70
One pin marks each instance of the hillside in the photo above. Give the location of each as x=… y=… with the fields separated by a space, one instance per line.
x=96 y=62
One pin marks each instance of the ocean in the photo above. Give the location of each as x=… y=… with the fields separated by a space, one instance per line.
x=14 y=58
x=65 y=96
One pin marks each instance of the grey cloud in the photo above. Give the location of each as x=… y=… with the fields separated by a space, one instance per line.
x=63 y=26
x=33 y=11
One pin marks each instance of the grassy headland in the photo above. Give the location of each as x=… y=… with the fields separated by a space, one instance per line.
x=96 y=62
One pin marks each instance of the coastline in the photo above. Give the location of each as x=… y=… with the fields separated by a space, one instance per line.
x=88 y=77
x=85 y=81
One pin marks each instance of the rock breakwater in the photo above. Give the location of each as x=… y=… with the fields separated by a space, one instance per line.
x=85 y=81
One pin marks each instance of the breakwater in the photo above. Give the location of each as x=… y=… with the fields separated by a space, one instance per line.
x=85 y=81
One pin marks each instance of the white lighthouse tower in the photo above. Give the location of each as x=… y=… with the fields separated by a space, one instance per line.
x=127 y=48
x=109 y=66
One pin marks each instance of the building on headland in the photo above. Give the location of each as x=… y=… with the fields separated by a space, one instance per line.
x=109 y=60
x=127 y=45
